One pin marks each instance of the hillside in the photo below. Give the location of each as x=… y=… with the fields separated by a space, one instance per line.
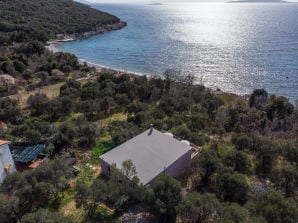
x=245 y=171
x=44 y=19
x=26 y=26
x=245 y=161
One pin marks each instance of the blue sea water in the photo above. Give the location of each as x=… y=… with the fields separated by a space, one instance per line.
x=234 y=47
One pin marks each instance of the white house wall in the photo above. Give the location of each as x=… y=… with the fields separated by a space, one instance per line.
x=5 y=159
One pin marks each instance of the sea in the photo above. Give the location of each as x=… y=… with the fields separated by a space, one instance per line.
x=234 y=47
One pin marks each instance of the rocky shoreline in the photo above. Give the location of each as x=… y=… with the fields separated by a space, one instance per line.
x=61 y=38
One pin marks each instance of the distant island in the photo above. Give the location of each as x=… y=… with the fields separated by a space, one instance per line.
x=155 y=3
x=83 y=2
x=258 y=1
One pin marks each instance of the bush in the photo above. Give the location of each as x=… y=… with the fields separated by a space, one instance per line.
x=242 y=142
x=183 y=132
x=234 y=187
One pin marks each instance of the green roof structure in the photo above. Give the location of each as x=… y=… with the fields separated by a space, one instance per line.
x=26 y=154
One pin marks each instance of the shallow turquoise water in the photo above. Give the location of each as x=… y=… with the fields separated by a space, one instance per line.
x=234 y=47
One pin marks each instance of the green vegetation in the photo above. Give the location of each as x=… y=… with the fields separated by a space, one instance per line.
x=248 y=154
x=25 y=28
x=22 y=193
x=42 y=20
x=99 y=149
x=245 y=171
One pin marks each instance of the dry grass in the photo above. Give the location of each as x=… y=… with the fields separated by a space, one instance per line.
x=114 y=117
x=51 y=91
x=70 y=209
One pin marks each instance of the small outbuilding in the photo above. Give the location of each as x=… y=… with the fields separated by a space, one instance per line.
x=152 y=153
x=27 y=156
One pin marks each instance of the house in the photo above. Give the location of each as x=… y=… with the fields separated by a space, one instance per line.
x=6 y=161
x=152 y=153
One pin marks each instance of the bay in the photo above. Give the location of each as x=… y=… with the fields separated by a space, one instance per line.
x=233 y=47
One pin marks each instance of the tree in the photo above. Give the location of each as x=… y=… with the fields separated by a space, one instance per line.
x=234 y=187
x=55 y=109
x=87 y=132
x=19 y=66
x=90 y=91
x=279 y=107
x=275 y=208
x=212 y=104
x=290 y=151
x=32 y=136
x=122 y=100
x=7 y=214
x=199 y=121
x=128 y=169
x=164 y=198
x=170 y=75
x=266 y=155
x=27 y=74
x=70 y=88
x=125 y=177
x=234 y=213
x=65 y=136
x=37 y=102
x=33 y=47
x=89 y=197
x=142 y=118
x=40 y=35
x=167 y=105
x=106 y=104
x=10 y=110
x=286 y=177
x=258 y=99
x=136 y=107
x=121 y=131
x=89 y=108
x=207 y=163
x=43 y=76
x=199 y=208
x=242 y=141
x=183 y=132
x=238 y=160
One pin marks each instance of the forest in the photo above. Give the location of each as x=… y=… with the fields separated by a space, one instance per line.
x=42 y=20
x=246 y=170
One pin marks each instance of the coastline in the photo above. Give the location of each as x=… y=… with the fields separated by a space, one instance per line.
x=100 y=68
x=52 y=46
x=62 y=38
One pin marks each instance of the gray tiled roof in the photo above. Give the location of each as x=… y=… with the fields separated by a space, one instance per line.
x=150 y=152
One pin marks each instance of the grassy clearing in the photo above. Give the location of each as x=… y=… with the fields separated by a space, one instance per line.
x=51 y=91
x=70 y=209
x=228 y=98
x=67 y=205
x=115 y=117
x=90 y=170
x=100 y=148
